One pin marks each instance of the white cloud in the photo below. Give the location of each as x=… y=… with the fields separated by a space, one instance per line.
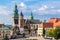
x=46 y=10
x=5 y=14
x=55 y=11
x=44 y=7
x=4 y=10
x=58 y=10
x=22 y=5
x=41 y=10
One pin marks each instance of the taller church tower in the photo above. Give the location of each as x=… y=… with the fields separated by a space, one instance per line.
x=15 y=17
x=18 y=19
x=19 y=23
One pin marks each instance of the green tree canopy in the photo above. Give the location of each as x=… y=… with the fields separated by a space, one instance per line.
x=6 y=37
x=55 y=32
x=51 y=32
x=43 y=32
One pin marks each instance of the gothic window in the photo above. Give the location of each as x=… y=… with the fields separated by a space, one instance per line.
x=16 y=21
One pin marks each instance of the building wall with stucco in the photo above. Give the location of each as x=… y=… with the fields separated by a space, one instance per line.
x=52 y=23
x=4 y=32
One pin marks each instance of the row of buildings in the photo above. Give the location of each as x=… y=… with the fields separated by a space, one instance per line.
x=51 y=23
x=28 y=26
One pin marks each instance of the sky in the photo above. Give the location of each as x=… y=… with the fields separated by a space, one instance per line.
x=41 y=9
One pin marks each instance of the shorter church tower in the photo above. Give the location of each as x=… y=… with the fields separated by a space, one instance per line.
x=31 y=16
x=21 y=20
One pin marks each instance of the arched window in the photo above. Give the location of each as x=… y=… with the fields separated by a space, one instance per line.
x=16 y=21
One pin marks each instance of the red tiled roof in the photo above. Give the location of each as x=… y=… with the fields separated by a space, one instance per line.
x=52 y=20
x=1 y=25
x=58 y=19
x=55 y=21
x=48 y=25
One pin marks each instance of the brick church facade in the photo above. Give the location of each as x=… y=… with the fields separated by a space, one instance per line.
x=27 y=25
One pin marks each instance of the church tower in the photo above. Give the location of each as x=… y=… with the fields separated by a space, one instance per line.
x=21 y=20
x=15 y=17
x=31 y=16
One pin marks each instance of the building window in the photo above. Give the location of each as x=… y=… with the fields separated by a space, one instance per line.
x=16 y=21
x=36 y=27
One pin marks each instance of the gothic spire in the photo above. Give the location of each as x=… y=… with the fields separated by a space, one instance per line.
x=31 y=16
x=21 y=14
x=15 y=11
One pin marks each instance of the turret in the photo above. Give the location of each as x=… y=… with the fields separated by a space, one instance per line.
x=16 y=11
x=31 y=16
x=21 y=15
x=15 y=17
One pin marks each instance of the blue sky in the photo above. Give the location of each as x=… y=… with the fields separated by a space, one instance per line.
x=41 y=9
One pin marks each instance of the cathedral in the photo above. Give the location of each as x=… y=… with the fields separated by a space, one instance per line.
x=21 y=25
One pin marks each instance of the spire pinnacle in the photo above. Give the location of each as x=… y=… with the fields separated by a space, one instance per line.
x=15 y=5
x=21 y=14
x=31 y=16
x=15 y=11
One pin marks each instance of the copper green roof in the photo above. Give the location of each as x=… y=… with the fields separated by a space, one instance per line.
x=15 y=11
x=35 y=21
x=31 y=16
x=4 y=28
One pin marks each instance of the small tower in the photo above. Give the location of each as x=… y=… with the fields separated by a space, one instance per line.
x=15 y=17
x=31 y=16
x=21 y=20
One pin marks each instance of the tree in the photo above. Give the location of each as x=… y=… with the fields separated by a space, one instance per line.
x=6 y=37
x=43 y=32
x=55 y=32
x=51 y=32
